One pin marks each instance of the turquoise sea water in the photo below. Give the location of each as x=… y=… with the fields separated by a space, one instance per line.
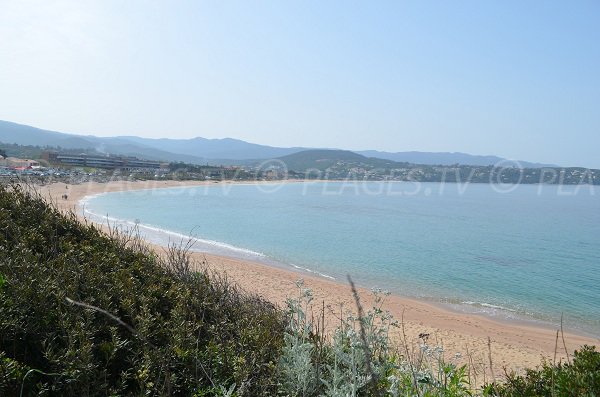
x=526 y=251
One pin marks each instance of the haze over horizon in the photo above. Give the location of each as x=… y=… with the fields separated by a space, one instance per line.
x=515 y=80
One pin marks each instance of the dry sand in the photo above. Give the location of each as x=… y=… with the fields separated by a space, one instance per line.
x=513 y=345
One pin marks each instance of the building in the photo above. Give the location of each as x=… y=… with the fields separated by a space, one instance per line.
x=14 y=162
x=98 y=161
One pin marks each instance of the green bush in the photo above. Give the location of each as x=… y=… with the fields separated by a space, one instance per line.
x=84 y=314
x=578 y=379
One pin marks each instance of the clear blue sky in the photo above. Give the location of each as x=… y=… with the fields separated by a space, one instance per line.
x=519 y=79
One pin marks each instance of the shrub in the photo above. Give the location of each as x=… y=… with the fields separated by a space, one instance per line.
x=84 y=313
x=359 y=360
x=579 y=379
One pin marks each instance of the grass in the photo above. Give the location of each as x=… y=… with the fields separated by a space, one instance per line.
x=86 y=313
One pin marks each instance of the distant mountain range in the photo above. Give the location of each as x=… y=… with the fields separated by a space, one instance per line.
x=448 y=158
x=213 y=151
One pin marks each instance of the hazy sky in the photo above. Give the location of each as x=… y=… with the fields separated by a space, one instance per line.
x=519 y=79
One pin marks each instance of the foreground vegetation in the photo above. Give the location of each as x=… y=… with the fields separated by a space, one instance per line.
x=83 y=313
x=360 y=360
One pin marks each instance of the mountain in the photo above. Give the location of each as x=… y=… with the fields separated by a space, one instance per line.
x=214 y=151
x=447 y=158
x=195 y=150
x=26 y=135
x=226 y=148
x=322 y=159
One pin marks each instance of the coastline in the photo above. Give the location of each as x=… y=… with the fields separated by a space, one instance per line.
x=513 y=345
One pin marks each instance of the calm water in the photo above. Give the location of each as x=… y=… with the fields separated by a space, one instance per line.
x=530 y=252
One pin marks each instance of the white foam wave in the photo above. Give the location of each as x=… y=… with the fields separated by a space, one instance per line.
x=83 y=202
x=312 y=271
x=488 y=306
x=179 y=236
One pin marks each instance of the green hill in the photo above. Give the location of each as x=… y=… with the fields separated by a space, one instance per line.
x=323 y=159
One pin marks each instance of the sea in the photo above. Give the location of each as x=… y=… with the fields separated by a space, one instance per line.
x=514 y=252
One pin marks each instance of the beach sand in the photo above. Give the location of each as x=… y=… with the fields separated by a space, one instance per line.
x=513 y=345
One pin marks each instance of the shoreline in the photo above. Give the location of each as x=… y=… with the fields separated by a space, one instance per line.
x=515 y=344
x=495 y=313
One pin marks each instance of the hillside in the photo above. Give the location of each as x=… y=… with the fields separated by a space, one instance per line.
x=11 y=133
x=226 y=148
x=92 y=314
x=346 y=165
x=26 y=135
x=445 y=158
x=193 y=151
x=322 y=159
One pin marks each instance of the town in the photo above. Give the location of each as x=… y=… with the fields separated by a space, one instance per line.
x=47 y=165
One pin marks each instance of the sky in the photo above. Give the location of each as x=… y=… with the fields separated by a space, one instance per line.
x=518 y=79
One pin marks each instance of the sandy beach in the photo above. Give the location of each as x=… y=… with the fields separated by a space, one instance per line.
x=513 y=345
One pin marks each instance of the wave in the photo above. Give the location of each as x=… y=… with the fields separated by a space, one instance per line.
x=179 y=236
x=312 y=271
x=488 y=309
x=489 y=306
x=83 y=202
